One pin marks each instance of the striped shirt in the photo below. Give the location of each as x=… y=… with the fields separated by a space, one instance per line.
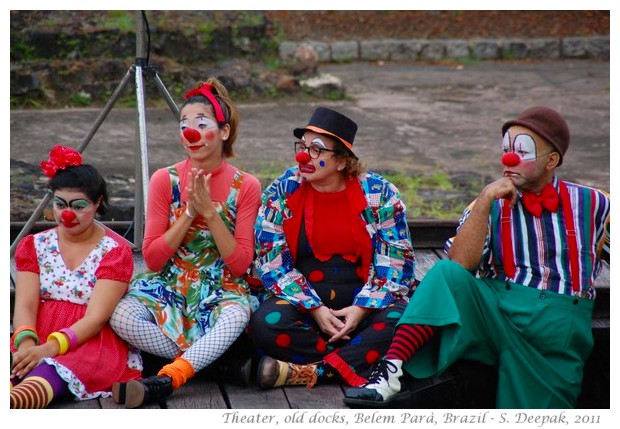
x=540 y=245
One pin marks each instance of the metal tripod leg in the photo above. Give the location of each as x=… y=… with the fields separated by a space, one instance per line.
x=139 y=70
x=46 y=199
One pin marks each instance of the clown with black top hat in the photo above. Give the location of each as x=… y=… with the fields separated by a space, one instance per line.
x=335 y=260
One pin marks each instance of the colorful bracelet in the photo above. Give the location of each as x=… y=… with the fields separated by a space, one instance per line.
x=27 y=333
x=73 y=339
x=21 y=329
x=62 y=341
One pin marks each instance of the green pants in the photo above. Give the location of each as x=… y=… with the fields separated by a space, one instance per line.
x=539 y=340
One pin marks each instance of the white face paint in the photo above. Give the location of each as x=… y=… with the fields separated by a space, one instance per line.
x=523 y=145
x=317 y=146
x=317 y=141
x=201 y=122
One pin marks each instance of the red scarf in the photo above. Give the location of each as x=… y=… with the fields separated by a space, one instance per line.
x=300 y=203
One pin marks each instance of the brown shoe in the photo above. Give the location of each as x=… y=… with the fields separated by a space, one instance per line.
x=275 y=373
x=118 y=392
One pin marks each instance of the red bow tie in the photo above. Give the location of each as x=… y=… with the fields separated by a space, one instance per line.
x=548 y=199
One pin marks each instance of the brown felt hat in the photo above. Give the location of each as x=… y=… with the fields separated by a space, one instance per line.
x=548 y=124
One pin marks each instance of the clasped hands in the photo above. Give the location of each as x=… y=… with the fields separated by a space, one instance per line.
x=199 y=194
x=338 y=324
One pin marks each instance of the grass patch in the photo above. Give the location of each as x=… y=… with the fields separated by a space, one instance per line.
x=428 y=196
x=120 y=20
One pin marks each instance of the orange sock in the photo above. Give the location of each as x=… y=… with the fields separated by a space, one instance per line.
x=33 y=392
x=180 y=370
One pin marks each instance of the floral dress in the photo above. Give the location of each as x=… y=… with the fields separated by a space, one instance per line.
x=188 y=294
x=92 y=368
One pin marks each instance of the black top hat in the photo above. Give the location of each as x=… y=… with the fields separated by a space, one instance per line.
x=329 y=122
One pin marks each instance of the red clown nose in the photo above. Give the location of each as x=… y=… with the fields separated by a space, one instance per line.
x=67 y=216
x=302 y=157
x=191 y=135
x=510 y=159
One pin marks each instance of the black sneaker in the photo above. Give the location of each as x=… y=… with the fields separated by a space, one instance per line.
x=148 y=391
x=382 y=388
x=233 y=371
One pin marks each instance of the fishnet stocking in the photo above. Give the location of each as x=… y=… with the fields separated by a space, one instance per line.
x=134 y=323
x=229 y=325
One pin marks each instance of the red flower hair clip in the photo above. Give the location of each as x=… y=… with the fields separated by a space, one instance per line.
x=60 y=158
x=206 y=90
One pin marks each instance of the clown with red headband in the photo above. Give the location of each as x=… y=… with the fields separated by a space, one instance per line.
x=335 y=259
x=518 y=289
x=194 y=302
x=68 y=282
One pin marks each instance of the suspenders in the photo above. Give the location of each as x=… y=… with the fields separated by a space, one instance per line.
x=508 y=254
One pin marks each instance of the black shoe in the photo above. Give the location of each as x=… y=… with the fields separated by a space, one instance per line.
x=148 y=391
x=118 y=392
x=235 y=371
x=382 y=388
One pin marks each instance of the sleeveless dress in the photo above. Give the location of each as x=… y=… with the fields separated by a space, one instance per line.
x=92 y=368
x=188 y=294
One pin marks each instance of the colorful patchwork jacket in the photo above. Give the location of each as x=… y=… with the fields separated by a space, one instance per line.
x=391 y=267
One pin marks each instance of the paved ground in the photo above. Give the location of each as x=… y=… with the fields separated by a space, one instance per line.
x=412 y=118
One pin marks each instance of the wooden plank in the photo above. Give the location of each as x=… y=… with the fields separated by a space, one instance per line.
x=425 y=259
x=431 y=233
x=109 y=404
x=603 y=280
x=319 y=397
x=197 y=394
x=70 y=403
x=254 y=397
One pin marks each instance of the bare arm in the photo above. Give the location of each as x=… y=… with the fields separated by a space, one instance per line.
x=27 y=294
x=468 y=244
x=106 y=295
x=161 y=240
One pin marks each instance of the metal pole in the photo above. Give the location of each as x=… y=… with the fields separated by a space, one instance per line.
x=142 y=167
x=163 y=91
x=46 y=199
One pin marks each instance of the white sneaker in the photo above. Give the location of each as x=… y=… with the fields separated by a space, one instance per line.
x=383 y=385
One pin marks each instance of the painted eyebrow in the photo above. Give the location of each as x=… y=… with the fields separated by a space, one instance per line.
x=317 y=140
x=70 y=202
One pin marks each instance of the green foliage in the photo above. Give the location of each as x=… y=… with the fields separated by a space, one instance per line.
x=120 y=20
x=205 y=31
x=81 y=99
x=412 y=189
x=250 y=18
x=21 y=51
x=336 y=94
x=25 y=102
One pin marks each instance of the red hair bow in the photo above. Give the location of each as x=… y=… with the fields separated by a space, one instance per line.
x=206 y=90
x=60 y=158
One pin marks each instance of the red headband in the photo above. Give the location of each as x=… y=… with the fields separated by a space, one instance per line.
x=60 y=158
x=206 y=91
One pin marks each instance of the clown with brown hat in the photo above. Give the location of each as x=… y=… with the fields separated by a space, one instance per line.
x=334 y=250
x=518 y=289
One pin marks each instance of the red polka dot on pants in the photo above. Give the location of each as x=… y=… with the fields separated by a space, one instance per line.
x=283 y=340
